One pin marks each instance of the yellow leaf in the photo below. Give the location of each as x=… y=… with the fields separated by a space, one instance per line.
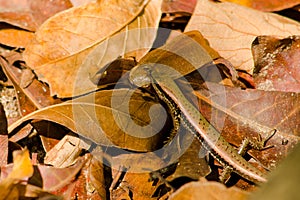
x=22 y=165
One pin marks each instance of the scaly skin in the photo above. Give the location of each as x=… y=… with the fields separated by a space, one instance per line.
x=169 y=92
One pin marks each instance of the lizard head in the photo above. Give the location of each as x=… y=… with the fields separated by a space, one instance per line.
x=140 y=75
x=144 y=74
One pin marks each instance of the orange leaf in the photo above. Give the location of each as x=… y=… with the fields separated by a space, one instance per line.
x=65 y=40
x=15 y=37
x=22 y=165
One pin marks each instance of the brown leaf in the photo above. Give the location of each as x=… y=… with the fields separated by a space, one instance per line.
x=35 y=95
x=276 y=63
x=49 y=178
x=136 y=180
x=113 y=118
x=267 y=5
x=191 y=164
x=283 y=182
x=238 y=27
x=22 y=169
x=113 y=73
x=208 y=190
x=59 y=62
x=240 y=114
x=82 y=187
x=30 y=14
x=56 y=178
x=194 y=52
x=178 y=6
x=97 y=176
x=3 y=137
x=15 y=37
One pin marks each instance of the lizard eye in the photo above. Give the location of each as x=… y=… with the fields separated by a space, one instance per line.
x=147 y=69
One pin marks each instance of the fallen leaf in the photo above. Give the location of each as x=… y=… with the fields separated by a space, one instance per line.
x=22 y=169
x=231 y=29
x=183 y=54
x=191 y=164
x=56 y=178
x=35 y=95
x=22 y=165
x=113 y=73
x=240 y=114
x=113 y=118
x=267 y=5
x=66 y=151
x=283 y=182
x=136 y=169
x=208 y=190
x=82 y=187
x=15 y=37
x=276 y=63
x=3 y=137
x=81 y=2
x=178 y=6
x=98 y=176
x=30 y=14
x=57 y=56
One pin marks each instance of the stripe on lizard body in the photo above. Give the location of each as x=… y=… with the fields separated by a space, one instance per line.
x=196 y=123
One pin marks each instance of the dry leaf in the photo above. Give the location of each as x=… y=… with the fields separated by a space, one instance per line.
x=97 y=176
x=267 y=5
x=82 y=187
x=22 y=169
x=185 y=53
x=208 y=190
x=22 y=165
x=66 y=151
x=113 y=118
x=56 y=178
x=65 y=40
x=3 y=137
x=276 y=63
x=178 y=6
x=15 y=37
x=36 y=94
x=283 y=182
x=191 y=164
x=30 y=14
x=136 y=179
x=81 y=2
x=231 y=29
x=240 y=114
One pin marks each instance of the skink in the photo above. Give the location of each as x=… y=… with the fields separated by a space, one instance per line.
x=191 y=118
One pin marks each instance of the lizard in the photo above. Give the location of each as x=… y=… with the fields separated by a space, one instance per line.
x=191 y=118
